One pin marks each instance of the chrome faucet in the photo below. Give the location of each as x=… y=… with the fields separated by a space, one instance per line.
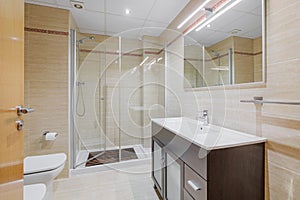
x=204 y=117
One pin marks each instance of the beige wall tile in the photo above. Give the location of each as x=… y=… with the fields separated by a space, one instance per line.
x=279 y=123
x=284 y=183
x=46 y=57
x=46 y=81
x=43 y=17
x=283 y=27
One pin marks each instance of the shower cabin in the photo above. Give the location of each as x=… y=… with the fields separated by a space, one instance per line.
x=116 y=88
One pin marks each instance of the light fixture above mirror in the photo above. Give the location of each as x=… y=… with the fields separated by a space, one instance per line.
x=193 y=14
x=217 y=12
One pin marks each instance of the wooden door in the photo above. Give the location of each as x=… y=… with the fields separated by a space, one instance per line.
x=11 y=95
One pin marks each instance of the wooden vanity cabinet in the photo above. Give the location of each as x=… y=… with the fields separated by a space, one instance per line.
x=235 y=173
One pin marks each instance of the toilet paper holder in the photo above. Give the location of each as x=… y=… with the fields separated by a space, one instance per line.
x=46 y=132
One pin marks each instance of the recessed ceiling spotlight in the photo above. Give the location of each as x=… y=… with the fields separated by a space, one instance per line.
x=77 y=4
x=127 y=11
x=208 y=26
x=235 y=31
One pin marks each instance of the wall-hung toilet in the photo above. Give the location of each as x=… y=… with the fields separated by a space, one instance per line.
x=44 y=169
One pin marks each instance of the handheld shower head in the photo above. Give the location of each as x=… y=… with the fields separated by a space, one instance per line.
x=85 y=38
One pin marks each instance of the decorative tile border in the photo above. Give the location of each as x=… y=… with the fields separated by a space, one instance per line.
x=247 y=54
x=110 y=53
x=123 y=54
x=257 y=53
x=193 y=59
x=223 y=55
x=51 y=32
x=152 y=52
x=156 y=53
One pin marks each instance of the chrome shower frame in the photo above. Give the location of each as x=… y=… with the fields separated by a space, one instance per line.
x=72 y=93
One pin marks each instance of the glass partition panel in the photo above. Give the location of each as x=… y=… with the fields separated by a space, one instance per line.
x=193 y=64
x=130 y=91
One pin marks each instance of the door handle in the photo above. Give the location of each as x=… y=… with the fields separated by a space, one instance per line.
x=20 y=125
x=21 y=110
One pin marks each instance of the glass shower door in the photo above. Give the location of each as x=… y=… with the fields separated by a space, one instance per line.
x=89 y=101
x=131 y=93
x=115 y=97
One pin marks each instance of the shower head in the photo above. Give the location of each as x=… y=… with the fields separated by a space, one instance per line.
x=85 y=38
x=215 y=53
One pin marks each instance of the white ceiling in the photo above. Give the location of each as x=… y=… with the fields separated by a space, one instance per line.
x=246 y=16
x=151 y=17
x=144 y=14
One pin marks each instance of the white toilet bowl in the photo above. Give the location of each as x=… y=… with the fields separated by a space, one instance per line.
x=44 y=169
x=34 y=192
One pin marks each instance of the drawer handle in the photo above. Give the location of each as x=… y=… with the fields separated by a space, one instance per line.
x=195 y=186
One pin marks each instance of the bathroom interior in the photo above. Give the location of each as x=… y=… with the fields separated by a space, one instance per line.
x=156 y=99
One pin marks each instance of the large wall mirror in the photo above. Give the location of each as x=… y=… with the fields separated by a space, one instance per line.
x=227 y=46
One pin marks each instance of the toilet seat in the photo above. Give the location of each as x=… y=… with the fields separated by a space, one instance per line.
x=37 y=164
x=34 y=192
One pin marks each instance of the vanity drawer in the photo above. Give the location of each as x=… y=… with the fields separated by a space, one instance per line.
x=187 y=196
x=189 y=153
x=195 y=184
x=196 y=158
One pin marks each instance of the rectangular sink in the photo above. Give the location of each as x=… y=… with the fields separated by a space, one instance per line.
x=206 y=136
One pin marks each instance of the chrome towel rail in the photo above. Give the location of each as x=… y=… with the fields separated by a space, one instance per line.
x=260 y=100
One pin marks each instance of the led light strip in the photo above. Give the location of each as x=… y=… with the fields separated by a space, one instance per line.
x=195 y=24
x=220 y=5
x=144 y=60
x=218 y=14
x=151 y=63
x=194 y=13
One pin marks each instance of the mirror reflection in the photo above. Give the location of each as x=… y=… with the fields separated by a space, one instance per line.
x=226 y=47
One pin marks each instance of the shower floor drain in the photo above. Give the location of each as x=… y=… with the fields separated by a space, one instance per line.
x=111 y=156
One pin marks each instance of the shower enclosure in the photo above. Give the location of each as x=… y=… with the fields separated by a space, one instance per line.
x=218 y=66
x=116 y=88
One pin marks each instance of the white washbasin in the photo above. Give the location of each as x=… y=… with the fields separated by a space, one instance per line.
x=207 y=136
x=184 y=125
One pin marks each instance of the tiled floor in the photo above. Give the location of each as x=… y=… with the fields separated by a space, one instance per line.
x=132 y=183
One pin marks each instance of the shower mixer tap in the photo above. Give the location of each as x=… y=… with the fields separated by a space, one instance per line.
x=79 y=83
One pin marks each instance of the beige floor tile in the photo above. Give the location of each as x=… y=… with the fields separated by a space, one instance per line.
x=132 y=183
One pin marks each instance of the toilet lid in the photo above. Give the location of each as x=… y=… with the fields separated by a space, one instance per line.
x=34 y=192
x=33 y=164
